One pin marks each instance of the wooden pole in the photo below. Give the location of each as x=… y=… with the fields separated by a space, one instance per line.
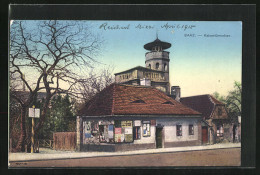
x=32 y=137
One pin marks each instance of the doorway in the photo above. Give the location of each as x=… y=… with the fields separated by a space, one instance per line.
x=159 y=137
x=235 y=133
x=204 y=134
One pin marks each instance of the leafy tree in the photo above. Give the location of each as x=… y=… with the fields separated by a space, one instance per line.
x=232 y=100
x=60 y=117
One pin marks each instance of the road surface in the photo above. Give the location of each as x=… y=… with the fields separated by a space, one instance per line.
x=217 y=157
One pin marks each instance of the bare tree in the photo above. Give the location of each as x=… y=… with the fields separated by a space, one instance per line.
x=95 y=82
x=54 y=56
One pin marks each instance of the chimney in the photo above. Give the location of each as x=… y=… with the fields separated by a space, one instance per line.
x=176 y=93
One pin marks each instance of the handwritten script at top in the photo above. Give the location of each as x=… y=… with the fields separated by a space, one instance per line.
x=166 y=26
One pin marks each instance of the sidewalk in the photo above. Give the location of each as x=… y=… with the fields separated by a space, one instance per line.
x=47 y=154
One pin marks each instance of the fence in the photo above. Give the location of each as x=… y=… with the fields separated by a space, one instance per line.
x=64 y=140
x=45 y=143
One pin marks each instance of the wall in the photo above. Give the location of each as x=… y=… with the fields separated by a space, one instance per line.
x=170 y=129
x=223 y=115
x=144 y=140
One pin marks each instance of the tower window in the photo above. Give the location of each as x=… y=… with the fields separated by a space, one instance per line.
x=165 y=67
x=157 y=66
x=149 y=66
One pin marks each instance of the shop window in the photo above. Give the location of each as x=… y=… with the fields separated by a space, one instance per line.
x=98 y=132
x=191 y=130
x=220 y=131
x=157 y=66
x=146 y=128
x=137 y=133
x=179 y=130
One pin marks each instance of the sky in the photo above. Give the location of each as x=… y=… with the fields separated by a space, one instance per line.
x=199 y=63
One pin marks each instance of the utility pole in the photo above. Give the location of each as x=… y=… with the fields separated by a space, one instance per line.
x=32 y=137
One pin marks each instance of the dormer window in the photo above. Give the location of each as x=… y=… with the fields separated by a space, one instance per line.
x=168 y=102
x=138 y=101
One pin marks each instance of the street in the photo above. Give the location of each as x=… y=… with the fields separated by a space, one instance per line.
x=218 y=157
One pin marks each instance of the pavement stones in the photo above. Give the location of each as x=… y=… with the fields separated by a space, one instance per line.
x=49 y=154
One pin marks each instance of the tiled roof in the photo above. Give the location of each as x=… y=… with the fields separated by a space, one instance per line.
x=118 y=99
x=201 y=103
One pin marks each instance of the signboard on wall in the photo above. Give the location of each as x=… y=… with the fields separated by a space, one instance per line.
x=137 y=123
x=128 y=130
x=117 y=130
x=110 y=131
x=128 y=137
x=87 y=129
x=153 y=122
x=125 y=124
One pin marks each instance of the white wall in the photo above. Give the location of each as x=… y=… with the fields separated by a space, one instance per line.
x=170 y=129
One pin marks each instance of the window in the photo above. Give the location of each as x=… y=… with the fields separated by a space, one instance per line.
x=138 y=101
x=191 y=130
x=178 y=130
x=165 y=67
x=146 y=128
x=220 y=131
x=149 y=66
x=157 y=66
x=137 y=133
x=168 y=102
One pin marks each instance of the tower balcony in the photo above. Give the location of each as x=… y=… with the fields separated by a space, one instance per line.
x=152 y=55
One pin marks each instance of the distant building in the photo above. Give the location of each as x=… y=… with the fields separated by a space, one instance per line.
x=127 y=117
x=217 y=126
x=156 y=70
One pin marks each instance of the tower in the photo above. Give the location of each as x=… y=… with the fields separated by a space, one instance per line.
x=158 y=59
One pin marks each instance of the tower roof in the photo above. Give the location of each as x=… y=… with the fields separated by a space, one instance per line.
x=157 y=42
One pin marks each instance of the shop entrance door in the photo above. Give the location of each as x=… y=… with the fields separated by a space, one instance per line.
x=159 y=137
x=204 y=134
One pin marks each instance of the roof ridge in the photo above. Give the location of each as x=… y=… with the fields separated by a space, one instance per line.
x=196 y=96
x=209 y=96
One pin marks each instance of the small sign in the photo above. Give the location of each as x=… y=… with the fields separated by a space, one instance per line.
x=37 y=113
x=34 y=112
x=31 y=112
x=137 y=123
x=126 y=124
x=153 y=122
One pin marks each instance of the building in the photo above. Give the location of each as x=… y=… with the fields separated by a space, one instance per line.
x=156 y=70
x=127 y=117
x=217 y=126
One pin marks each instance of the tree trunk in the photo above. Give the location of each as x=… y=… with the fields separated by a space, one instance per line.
x=20 y=147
